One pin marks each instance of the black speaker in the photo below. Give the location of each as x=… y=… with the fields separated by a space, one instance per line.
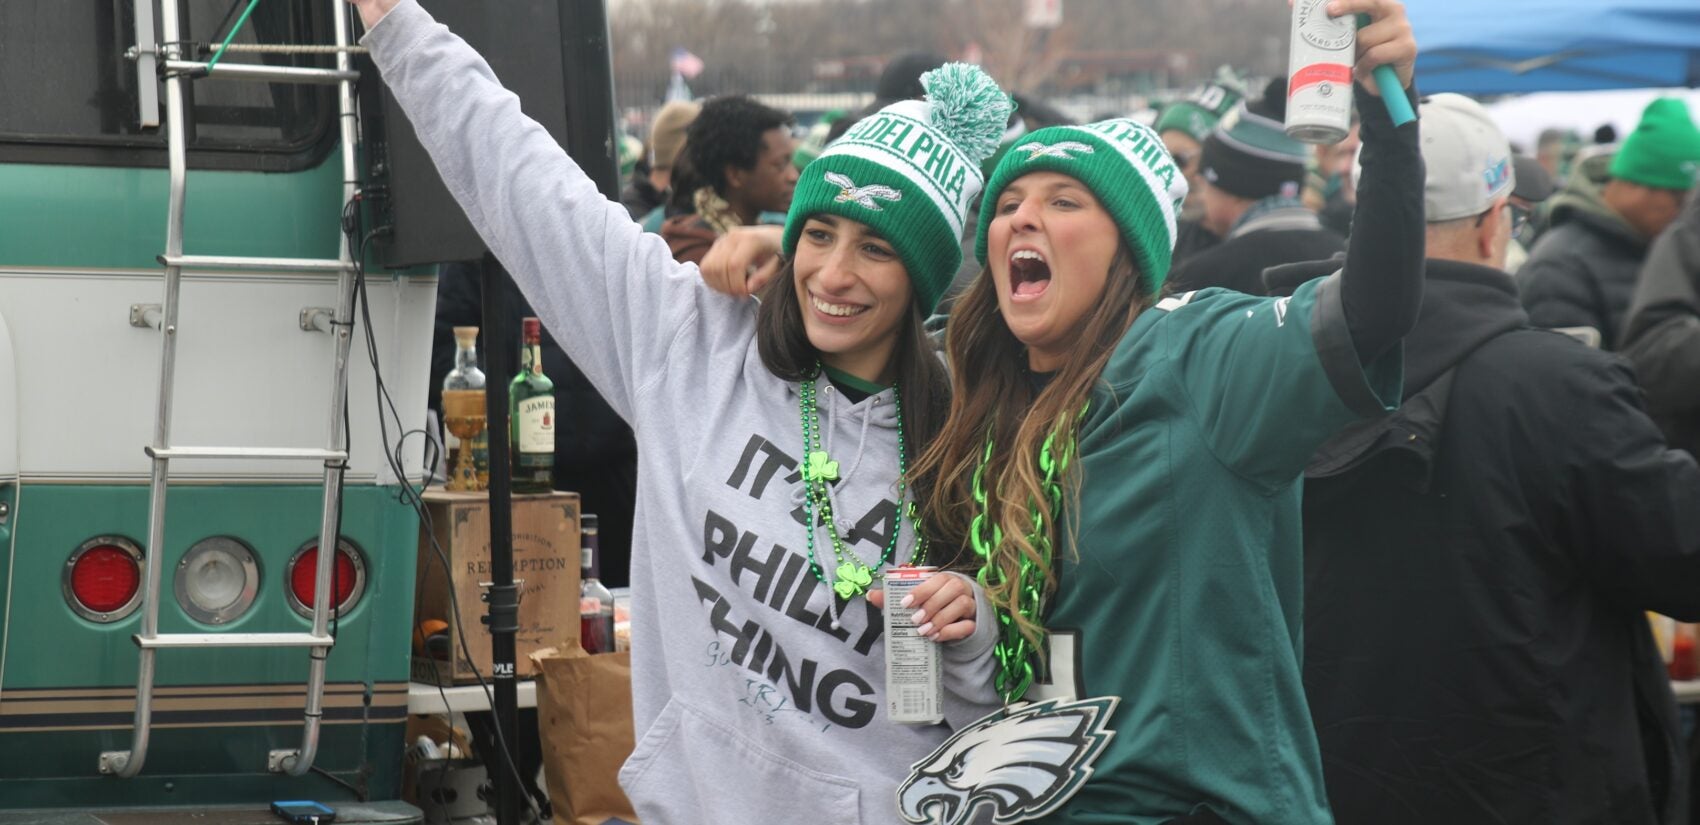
x=554 y=55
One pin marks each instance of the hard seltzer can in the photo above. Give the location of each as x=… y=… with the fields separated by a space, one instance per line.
x=914 y=674
x=1319 y=73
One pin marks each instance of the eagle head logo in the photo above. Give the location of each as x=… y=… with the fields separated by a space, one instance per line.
x=864 y=196
x=1023 y=762
x=1064 y=149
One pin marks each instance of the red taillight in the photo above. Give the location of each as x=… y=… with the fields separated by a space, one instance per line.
x=105 y=578
x=348 y=578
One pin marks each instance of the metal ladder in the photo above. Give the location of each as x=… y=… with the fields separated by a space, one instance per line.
x=167 y=55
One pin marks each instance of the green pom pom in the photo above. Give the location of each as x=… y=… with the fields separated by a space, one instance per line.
x=968 y=107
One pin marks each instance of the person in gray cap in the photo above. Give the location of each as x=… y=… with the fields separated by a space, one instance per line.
x=1477 y=563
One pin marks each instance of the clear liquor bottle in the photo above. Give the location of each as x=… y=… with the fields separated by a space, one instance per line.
x=463 y=415
x=531 y=413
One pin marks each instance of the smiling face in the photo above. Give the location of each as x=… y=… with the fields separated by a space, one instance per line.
x=854 y=292
x=1049 y=247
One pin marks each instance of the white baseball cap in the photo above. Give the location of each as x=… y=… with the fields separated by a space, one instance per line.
x=1468 y=158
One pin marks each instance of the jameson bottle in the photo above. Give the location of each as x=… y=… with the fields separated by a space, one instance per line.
x=531 y=411
x=463 y=416
x=595 y=603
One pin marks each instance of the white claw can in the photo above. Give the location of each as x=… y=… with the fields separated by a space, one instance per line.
x=914 y=673
x=1319 y=73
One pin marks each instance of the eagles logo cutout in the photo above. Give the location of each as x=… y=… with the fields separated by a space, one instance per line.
x=863 y=196
x=1022 y=762
x=1036 y=150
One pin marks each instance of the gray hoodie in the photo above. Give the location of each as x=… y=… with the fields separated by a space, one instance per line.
x=751 y=704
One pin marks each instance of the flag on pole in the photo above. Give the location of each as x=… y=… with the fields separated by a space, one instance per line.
x=686 y=64
x=1044 y=14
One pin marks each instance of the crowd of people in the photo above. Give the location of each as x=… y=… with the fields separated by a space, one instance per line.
x=1271 y=483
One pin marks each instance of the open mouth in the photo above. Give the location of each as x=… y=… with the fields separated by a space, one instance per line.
x=836 y=310
x=1029 y=274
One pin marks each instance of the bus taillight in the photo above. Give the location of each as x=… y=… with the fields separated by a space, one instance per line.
x=103 y=578
x=348 y=578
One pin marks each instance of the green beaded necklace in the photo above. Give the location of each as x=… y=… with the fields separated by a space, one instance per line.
x=1014 y=652
x=851 y=576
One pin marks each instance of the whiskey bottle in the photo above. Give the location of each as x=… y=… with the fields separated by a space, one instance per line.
x=531 y=409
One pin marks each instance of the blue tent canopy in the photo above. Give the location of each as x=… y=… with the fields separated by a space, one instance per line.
x=1508 y=46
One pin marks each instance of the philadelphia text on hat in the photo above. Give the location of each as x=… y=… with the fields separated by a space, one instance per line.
x=909 y=138
x=1138 y=142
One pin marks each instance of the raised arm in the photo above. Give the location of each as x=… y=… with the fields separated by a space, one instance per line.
x=1382 y=286
x=612 y=296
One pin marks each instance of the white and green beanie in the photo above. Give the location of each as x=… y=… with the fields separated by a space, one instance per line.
x=1125 y=165
x=909 y=172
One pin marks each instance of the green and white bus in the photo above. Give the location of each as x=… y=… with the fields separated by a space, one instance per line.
x=164 y=288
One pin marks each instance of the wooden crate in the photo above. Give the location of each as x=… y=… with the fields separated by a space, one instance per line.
x=546 y=557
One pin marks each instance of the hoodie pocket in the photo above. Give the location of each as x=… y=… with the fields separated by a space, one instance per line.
x=690 y=769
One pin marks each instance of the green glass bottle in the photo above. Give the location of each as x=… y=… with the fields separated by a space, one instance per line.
x=531 y=413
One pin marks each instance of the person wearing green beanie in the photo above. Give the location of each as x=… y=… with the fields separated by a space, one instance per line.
x=1122 y=464
x=1581 y=274
x=774 y=440
x=1184 y=125
x=1664 y=150
x=908 y=173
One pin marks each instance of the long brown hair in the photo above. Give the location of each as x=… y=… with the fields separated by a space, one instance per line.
x=783 y=342
x=992 y=392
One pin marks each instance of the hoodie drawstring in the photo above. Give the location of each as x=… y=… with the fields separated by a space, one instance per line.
x=828 y=423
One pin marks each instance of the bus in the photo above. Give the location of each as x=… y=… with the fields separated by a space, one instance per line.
x=164 y=287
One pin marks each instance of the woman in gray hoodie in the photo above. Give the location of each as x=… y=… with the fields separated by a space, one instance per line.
x=774 y=440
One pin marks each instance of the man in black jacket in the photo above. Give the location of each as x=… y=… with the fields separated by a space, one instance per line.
x=1477 y=564
x=1663 y=341
x=1582 y=272
x=1253 y=177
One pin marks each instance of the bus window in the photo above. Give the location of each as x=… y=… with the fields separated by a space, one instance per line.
x=69 y=84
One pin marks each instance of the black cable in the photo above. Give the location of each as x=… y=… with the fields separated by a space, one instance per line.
x=359 y=794
x=408 y=495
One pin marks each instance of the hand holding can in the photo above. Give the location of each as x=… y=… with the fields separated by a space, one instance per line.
x=1327 y=51
x=914 y=671
x=1384 y=40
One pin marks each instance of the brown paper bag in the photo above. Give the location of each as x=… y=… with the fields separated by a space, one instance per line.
x=584 y=721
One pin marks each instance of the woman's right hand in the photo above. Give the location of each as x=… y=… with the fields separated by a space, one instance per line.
x=371 y=11
x=743 y=260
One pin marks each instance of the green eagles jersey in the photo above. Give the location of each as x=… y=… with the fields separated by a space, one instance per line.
x=1182 y=596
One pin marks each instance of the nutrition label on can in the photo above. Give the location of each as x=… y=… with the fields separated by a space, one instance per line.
x=914 y=678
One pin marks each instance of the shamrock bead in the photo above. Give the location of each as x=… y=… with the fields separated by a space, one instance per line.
x=820 y=467
x=852 y=576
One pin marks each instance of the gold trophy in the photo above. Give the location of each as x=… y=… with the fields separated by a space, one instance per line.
x=463 y=415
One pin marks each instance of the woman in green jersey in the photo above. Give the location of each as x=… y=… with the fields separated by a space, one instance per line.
x=1123 y=468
